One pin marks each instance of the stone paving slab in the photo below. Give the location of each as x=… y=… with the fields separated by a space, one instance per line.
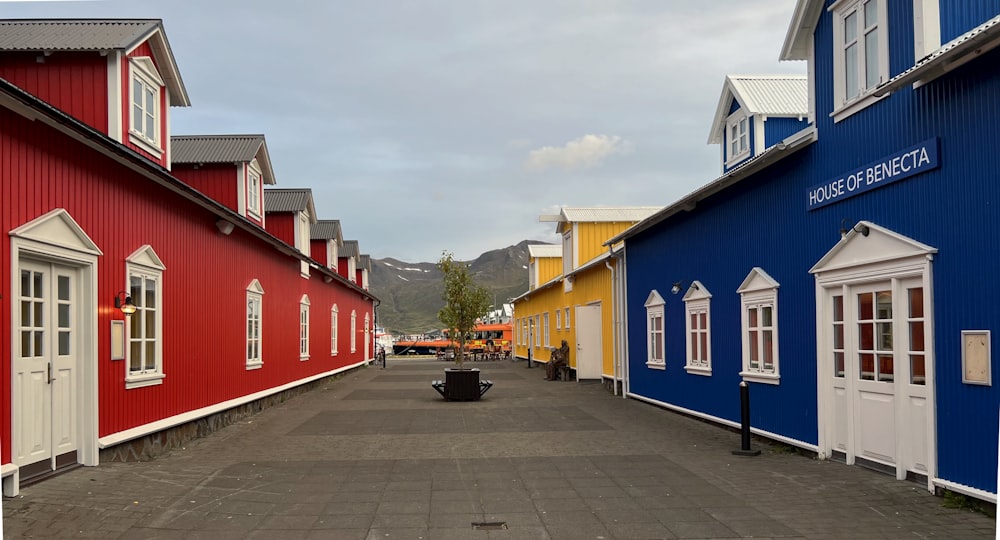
x=544 y=460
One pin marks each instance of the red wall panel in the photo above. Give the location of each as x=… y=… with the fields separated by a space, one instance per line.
x=204 y=284
x=74 y=82
x=282 y=225
x=317 y=250
x=217 y=180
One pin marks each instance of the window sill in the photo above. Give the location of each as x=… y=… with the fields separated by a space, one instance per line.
x=141 y=381
x=662 y=366
x=334 y=353
x=255 y=365
x=698 y=370
x=860 y=103
x=734 y=161
x=765 y=378
x=303 y=358
x=137 y=139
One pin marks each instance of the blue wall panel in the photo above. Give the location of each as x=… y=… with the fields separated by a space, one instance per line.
x=958 y=17
x=777 y=129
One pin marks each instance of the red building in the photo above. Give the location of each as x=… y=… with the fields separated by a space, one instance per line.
x=138 y=292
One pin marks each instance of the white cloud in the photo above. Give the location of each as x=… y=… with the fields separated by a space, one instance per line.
x=586 y=152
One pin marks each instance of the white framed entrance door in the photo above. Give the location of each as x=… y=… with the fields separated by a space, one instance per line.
x=589 y=342
x=875 y=353
x=45 y=378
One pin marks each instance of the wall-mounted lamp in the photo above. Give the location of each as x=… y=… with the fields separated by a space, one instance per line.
x=859 y=228
x=124 y=302
x=327 y=279
x=225 y=227
x=679 y=286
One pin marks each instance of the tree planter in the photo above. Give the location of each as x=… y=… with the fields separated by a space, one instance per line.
x=461 y=384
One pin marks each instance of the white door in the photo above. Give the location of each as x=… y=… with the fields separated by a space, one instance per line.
x=878 y=354
x=589 y=344
x=45 y=386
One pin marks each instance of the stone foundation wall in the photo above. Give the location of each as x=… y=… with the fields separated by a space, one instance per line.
x=156 y=444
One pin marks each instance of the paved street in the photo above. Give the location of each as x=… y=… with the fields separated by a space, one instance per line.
x=377 y=454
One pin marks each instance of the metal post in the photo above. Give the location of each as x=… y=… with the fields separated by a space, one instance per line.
x=745 y=422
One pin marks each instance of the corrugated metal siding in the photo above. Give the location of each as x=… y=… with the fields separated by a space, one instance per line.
x=282 y=225
x=777 y=129
x=592 y=286
x=204 y=349
x=540 y=302
x=215 y=148
x=317 y=250
x=592 y=237
x=72 y=34
x=548 y=268
x=76 y=83
x=773 y=94
x=217 y=181
x=958 y=17
x=286 y=200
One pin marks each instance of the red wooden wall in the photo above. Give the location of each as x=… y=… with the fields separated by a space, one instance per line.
x=74 y=82
x=217 y=180
x=282 y=225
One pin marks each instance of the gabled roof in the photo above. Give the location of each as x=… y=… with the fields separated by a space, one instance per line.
x=222 y=149
x=96 y=35
x=619 y=214
x=798 y=38
x=365 y=262
x=290 y=200
x=327 y=229
x=350 y=249
x=544 y=250
x=765 y=95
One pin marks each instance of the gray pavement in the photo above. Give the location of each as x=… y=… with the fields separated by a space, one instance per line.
x=376 y=454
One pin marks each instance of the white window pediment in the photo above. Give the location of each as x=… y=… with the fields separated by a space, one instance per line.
x=757 y=280
x=697 y=291
x=654 y=299
x=304 y=300
x=148 y=68
x=880 y=245
x=58 y=228
x=145 y=256
x=255 y=287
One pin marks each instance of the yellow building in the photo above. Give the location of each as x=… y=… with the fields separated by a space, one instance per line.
x=570 y=291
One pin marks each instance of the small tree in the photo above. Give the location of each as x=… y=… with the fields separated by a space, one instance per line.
x=465 y=302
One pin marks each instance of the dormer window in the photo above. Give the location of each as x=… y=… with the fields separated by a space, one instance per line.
x=352 y=270
x=253 y=190
x=860 y=53
x=331 y=256
x=144 y=89
x=738 y=130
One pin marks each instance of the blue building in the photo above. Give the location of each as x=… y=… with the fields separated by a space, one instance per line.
x=847 y=267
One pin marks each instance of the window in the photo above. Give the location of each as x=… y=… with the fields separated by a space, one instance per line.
x=861 y=54
x=759 y=299
x=538 y=336
x=655 y=357
x=352 y=270
x=331 y=247
x=545 y=328
x=368 y=336
x=354 y=331
x=144 y=272
x=253 y=189
x=333 y=330
x=739 y=137
x=144 y=95
x=255 y=297
x=567 y=251
x=304 y=328
x=697 y=323
x=558 y=319
x=532 y=268
x=566 y=319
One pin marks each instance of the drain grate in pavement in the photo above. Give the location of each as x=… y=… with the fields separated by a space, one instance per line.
x=490 y=526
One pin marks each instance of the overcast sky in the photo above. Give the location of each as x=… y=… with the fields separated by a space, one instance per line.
x=431 y=125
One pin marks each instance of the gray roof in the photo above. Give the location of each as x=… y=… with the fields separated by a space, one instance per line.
x=326 y=229
x=365 y=262
x=289 y=200
x=350 y=249
x=222 y=149
x=96 y=35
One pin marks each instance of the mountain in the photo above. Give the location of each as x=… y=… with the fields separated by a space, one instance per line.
x=411 y=292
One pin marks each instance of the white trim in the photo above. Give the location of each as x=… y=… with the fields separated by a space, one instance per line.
x=844 y=106
x=115 y=95
x=965 y=490
x=166 y=423
x=724 y=422
x=926 y=28
x=304 y=339
x=334 y=330
x=56 y=237
x=759 y=290
x=255 y=293
x=253 y=168
x=143 y=69
x=11 y=479
x=655 y=308
x=733 y=120
x=147 y=263
x=241 y=190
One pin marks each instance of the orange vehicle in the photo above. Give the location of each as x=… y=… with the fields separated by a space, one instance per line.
x=485 y=338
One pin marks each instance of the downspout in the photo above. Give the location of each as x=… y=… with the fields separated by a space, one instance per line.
x=614 y=322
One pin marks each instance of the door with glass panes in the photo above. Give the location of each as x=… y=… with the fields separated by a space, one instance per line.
x=877 y=350
x=44 y=371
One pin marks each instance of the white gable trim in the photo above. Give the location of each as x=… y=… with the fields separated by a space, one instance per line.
x=654 y=299
x=255 y=287
x=880 y=246
x=57 y=229
x=757 y=280
x=145 y=256
x=697 y=291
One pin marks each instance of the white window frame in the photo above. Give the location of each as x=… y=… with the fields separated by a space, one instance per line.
x=254 y=182
x=845 y=105
x=545 y=328
x=354 y=331
x=331 y=257
x=655 y=356
x=255 y=325
x=304 y=328
x=737 y=137
x=145 y=264
x=567 y=251
x=697 y=300
x=566 y=319
x=758 y=291
x=558 y=319
x=143 y=71
x=538 y=335
x=334 y=317
x=368 y=336
x=352 y=270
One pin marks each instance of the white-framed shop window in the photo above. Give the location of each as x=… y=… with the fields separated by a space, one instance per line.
x=697 y=326
x=255 y=302
x=144 y=275
x=759 y=323
x=655 y=346
x=860 y=53
x=304 y=328
x=334 y=315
